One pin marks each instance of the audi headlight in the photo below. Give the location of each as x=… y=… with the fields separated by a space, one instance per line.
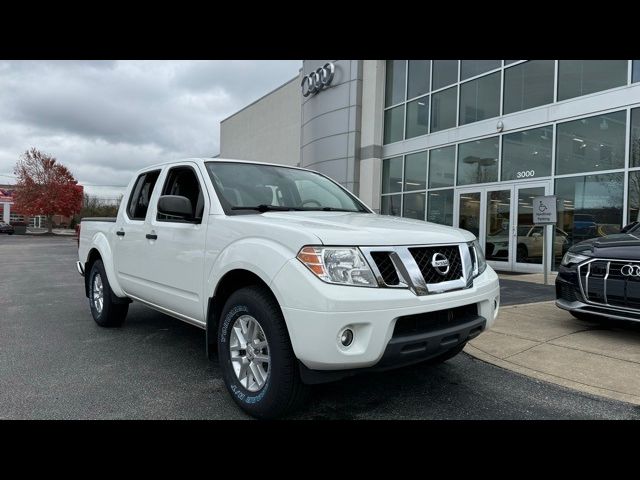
x=572 y=259
x=478 y=261
x=340 y=265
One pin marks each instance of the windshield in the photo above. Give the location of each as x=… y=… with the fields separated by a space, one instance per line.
x=245 y=187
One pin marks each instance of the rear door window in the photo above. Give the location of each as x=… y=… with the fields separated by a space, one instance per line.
x=141 y=195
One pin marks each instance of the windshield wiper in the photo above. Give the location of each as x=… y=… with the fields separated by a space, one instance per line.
x=329 y=209
x=266 y=208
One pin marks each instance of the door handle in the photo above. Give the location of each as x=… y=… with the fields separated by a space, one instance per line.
x=152 y=236
x=120 y=233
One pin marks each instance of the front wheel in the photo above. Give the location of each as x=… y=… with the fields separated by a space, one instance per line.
x=104 y=310
x=259 y=367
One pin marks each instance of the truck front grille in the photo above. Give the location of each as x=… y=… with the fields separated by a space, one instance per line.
x=386 y=267
x=416 y=267
x=424 y=256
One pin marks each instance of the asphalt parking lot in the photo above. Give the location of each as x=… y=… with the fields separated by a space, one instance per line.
x=56 y=363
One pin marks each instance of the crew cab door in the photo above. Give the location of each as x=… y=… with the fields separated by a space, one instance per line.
x=174 y=252
x=130 y=244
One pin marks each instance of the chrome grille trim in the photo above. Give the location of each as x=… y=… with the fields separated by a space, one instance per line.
x=584 y=289
x=409 y=273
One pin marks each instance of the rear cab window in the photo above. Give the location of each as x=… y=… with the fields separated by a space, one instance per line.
x=141 y=195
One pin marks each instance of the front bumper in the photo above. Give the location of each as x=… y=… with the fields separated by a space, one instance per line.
x=371 y=313
x=570 y=298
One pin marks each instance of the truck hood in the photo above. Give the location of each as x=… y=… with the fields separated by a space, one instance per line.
x=361 y=229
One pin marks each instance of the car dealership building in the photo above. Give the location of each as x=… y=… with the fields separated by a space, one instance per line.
x=467 y=143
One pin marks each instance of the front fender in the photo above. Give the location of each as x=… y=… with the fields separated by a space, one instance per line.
x=260 y=256
x=101 y=243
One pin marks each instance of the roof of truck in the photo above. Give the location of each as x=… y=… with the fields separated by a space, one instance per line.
x=221 y=160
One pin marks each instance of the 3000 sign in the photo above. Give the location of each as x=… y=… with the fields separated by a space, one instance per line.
x=526 y=174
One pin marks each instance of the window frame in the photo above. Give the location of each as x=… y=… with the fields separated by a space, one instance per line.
x=167 y=176
x=143 y=176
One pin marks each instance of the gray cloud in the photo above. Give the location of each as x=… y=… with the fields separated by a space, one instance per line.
x=106 y=119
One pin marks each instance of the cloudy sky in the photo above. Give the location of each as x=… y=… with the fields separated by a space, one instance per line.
x=106 y=119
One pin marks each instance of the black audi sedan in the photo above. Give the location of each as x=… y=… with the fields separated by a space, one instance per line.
x=6 y=228
x=600 y=277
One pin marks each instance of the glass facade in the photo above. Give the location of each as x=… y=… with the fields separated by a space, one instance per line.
x=590 y=144
x=480 y=99
x=588 y=156
x=581 y=77
x=589 y=206
x=527 y=154
x=460 y=92
x=528 y=85
x=478 y=161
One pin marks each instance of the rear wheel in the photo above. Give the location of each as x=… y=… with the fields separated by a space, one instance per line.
x=105 y=311
x=258 y=364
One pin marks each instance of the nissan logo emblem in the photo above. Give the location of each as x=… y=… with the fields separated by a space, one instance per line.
x=630 y=270
x=440 y=263
x=318 y=80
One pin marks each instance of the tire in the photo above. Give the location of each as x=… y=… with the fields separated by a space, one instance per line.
x=282 y=391
x=108 y=313
x=449 y=354
x=522 y=254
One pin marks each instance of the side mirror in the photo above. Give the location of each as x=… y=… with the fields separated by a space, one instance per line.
x=176 y=206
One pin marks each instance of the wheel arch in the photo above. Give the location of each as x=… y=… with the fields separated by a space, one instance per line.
x=230 y=282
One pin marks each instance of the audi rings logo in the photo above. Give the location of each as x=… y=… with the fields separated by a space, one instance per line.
x=318 y=80
x=630 y=270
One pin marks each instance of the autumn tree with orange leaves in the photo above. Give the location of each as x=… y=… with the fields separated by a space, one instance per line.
x=45 y=187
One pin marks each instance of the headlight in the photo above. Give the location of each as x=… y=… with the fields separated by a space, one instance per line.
x=341 y=265
x=477 y=258
x=572 y=259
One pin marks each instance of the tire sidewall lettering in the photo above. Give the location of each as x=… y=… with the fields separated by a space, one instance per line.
x=236 y=389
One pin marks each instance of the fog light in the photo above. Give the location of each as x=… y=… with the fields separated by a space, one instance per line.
x=346 y=337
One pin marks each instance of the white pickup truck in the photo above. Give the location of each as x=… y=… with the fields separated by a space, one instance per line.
x=293 y=278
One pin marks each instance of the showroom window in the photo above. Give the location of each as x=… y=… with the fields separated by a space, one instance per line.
x=527 y=154
x=440 y=207
x=392 y=175
x=472 y=68
x=528 y=85
x=635 y=74
x=591 y=144
x=393 y=124
x=442 y=163
x=634 y=197
x=478 y=161
x=390 y=205
x=581 y=77
x=480 y=99
x=413 y=205
x=445 y=72
x=415 y=171
x=588 y=206
x=444 y=109
x=417 y=117
x=395 y=84
x=419 y=78
x=634 y=161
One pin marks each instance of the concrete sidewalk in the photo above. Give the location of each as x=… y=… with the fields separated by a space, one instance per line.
x=544 y=342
